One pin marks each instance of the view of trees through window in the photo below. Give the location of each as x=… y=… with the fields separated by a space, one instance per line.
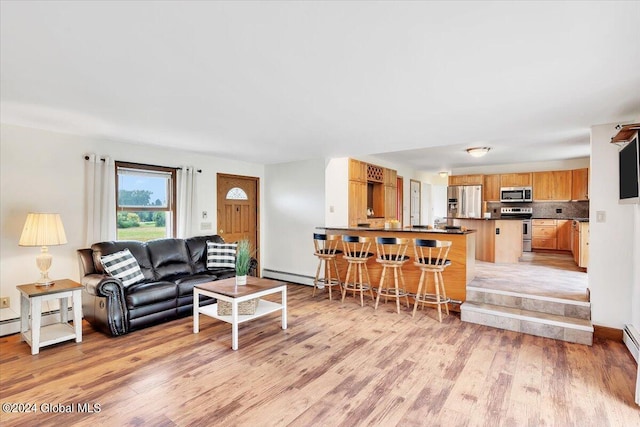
x=146 y=202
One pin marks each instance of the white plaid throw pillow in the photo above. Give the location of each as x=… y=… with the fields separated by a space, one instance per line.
x=122 y=265
x=221 y=255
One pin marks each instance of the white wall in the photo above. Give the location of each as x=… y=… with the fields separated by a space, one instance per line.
x=294 y=207
x=611 y=243
x=43 y=171
x=336 y=192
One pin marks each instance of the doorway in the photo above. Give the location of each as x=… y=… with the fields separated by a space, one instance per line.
x=237 y=211
x=414 y=202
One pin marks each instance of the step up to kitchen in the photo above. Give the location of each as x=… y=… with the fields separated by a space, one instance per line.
x=539 y=303
x=547 y=325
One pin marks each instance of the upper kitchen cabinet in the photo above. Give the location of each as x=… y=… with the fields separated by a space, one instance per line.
x=551 y=186
x=580 y=184
x=515 y=180
x=372 y=194
x=390 y=178
x=357 y=171
x=491 y=188
x=465 y=180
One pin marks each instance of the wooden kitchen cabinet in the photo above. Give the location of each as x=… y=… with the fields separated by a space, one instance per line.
x=491 y=188
x=515 y=180
x=580 y=184
x=390 y=178
x=371 y=186
x=543 y=234
x=580 y=243
x=390 y=200
x=551 y=185
x=357 y=203
x=465 y=179
x=357 y=170
x=563 y=234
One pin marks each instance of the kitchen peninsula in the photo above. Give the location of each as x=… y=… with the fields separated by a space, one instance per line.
x=498 y=240
x=456 y=277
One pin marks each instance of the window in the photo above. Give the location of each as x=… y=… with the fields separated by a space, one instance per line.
x=237 y=193
x=146 y=201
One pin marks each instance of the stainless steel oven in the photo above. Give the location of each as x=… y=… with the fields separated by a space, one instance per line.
x=521 y=213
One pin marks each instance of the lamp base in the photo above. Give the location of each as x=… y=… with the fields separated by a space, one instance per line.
x=44 y=280
x=44 y=264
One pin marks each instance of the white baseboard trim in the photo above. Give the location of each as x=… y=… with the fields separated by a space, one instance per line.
x=12 y=326
x=631 y=338
x=288 y=277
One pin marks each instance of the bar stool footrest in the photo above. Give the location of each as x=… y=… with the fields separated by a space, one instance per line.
x=356 y=287
x=432 y=299
x=391 y=292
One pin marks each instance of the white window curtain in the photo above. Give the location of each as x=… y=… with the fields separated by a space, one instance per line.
x=100 y=199
x=186 y=190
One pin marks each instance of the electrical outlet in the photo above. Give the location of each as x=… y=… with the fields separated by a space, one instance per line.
x=4 y=302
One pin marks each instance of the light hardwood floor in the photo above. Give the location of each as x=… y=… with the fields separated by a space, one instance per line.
x=550 y=274
x=336 y=365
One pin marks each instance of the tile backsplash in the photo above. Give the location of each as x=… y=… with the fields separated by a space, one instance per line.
x=568 y=210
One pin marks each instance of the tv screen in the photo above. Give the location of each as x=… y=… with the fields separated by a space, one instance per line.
x=629 y=166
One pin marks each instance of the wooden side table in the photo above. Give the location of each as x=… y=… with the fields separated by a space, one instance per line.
x=31 y=297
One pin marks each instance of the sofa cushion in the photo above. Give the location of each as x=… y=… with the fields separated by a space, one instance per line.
x=122 y=265
x=223 y=273
x=221 y=255
x=169 y=257
x=150 y=293
x=186 y=284
x=138 y=249
x=197 y=247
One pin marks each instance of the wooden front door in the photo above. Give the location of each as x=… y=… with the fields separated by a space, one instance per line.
x=238 y=209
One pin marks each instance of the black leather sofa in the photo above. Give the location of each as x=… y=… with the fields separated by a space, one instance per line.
x=171 y=268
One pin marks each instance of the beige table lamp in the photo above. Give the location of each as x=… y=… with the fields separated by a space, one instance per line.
x=43 y=229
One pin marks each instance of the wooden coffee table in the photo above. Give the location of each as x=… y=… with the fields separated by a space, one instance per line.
x=227 y=290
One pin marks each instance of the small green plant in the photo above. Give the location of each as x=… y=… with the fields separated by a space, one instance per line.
x=243 y=257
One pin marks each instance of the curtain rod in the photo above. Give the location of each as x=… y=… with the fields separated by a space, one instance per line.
x=143 y=164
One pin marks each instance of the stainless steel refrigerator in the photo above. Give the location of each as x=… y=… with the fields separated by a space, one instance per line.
x=464 y=201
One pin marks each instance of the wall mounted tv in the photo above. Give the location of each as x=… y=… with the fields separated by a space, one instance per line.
x=629 y=178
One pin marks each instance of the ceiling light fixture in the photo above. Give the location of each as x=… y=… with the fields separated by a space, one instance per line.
x=478 y=151
x=443 y=174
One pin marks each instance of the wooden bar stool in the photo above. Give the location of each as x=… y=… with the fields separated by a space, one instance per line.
x=326 y=249
x=392 y=256
x=356 y=253
x=431 y=258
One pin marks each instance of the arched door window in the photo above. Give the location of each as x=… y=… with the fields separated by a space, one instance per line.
x=237 y=193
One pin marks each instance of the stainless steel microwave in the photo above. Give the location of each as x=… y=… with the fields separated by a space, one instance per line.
x=516 y=194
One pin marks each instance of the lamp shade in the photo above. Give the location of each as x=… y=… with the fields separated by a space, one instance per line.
x=43 y=229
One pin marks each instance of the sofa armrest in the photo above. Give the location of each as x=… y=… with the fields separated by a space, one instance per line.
x=104 y=304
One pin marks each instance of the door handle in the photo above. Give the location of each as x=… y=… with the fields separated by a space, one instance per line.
x=221 y=231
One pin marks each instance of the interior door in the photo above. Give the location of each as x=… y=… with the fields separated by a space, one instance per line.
x=238 y=209
x=414 y=201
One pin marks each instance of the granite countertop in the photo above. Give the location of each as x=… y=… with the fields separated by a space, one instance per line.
x=401 y=230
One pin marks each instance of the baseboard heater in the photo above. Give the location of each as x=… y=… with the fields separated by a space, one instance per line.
x=631 y=338
x=287 y=276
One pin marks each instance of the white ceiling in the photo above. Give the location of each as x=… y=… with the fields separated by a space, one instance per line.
x=283 y=81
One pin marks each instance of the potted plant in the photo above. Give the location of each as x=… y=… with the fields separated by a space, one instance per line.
x=243 y=261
